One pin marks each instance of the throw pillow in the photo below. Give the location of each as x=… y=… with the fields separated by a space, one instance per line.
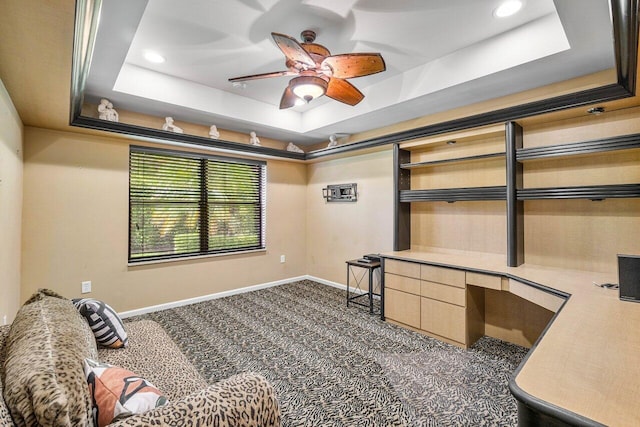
x=118 y=392
x=104 y=322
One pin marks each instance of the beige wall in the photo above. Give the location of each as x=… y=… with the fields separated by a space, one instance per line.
x=75 y=228
x=10 y=206
x=337 y=232
x=75 y=223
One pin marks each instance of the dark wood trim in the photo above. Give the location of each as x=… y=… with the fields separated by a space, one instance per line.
x=455 y=194
x=625 y=142
x=592 y=192
x=87 y=13
x=401 y=211
x=515 y=207
x=625 y=29
x=624 y=14
x=592 y=96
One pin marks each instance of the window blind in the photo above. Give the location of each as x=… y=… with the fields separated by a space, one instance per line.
x=181 y=204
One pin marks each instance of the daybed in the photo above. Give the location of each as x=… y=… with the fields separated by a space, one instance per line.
x=42 y=378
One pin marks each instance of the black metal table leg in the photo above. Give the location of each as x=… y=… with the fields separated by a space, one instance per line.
x=370 y=269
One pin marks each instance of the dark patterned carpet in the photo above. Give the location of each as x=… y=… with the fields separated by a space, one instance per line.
x=338 y=366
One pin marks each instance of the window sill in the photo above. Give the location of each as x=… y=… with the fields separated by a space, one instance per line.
x=192 y=258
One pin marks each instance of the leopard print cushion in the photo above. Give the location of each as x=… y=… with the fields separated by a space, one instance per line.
x=244 y=400
x=43 y=371
x=153 y=355
x=5 y=417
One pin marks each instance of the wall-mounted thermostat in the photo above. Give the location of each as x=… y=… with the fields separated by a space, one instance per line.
x=341 y=193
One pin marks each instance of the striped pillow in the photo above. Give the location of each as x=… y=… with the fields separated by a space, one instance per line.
x=104 y=322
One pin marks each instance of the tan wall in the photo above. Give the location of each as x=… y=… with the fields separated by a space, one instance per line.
x=75 y=228
x=337 y=232
x=581 y=234
x=10 y=206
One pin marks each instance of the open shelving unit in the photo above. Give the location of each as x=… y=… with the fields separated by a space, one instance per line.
x=587 y=148
x=471 y=170
x=467 y=171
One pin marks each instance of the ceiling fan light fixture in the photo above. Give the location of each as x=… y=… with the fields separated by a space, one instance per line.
x=308 y=87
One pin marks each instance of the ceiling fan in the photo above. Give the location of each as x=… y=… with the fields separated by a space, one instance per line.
x=318 y=72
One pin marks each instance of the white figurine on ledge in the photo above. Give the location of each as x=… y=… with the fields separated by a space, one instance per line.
x=213 y=132
x=170 y=126
x=106 y=111
x=293 y=147
x=332 y=141
x=253 y=139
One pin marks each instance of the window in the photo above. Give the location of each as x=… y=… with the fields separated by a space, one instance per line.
x=183 y=204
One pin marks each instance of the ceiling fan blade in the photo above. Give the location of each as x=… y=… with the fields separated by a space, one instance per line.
x=293 y=50
x=288 y=99
x=263 y=76
x=351 y=65
x=343 y=91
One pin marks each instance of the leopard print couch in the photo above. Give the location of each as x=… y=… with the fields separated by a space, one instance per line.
x=42 y=380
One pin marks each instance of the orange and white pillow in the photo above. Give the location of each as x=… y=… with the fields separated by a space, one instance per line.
x=118 y=392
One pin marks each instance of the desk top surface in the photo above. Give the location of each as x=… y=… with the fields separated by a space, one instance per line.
x=588 y=360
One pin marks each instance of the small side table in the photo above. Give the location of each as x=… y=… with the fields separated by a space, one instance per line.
x=368 y=269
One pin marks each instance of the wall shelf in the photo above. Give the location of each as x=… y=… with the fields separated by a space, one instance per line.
x=548 y=180
x=455 y=194
x=625 y=142
x=592 y=192
x=453 y=160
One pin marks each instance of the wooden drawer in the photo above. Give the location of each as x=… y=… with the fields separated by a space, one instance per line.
x=409 y=269
x=484 y=280
x=447 y=276
x=402 y=283
x=402 y=307
x=443 y=319
x=446 y=293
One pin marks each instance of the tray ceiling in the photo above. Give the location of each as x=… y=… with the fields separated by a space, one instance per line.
x=439 y=55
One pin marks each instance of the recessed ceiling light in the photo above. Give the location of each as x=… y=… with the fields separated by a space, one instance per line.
x=154 y=57
x=508 y=8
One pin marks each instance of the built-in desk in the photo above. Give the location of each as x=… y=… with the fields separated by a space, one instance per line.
x=585 y=368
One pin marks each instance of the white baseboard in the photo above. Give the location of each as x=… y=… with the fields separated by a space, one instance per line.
x=188 y=301
x=326 y=282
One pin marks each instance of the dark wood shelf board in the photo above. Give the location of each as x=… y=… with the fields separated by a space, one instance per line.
x=455 y=194
x=455 y=160
x=625 y=142
x=592 y=192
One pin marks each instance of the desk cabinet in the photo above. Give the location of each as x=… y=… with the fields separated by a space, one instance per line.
x=402 y=292
x=444 y=320
x=433 y=300
x=402 y=307
x=460 y=306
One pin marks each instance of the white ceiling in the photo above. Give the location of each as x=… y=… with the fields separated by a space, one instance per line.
x=440 y=54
